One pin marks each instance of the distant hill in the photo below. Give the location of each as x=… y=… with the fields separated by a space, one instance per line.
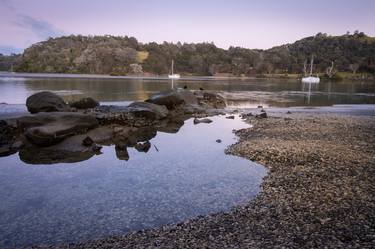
x=125 y=55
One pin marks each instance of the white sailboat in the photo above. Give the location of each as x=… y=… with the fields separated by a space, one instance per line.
x=173 y=75
x=311 y=79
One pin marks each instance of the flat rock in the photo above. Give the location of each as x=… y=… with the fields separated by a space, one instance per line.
x=148 y=110
x=45 y=102
x=50 y=128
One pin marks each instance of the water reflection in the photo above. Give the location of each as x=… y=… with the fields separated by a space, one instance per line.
x=259 y=91
x=182 y=175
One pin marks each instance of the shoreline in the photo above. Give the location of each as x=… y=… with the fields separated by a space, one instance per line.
x=165 y=77
x=318 y=191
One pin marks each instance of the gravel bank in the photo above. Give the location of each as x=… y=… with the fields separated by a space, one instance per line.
x=319 y=192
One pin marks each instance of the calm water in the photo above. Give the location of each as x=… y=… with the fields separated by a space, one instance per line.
x=247 y=93
x=188 y=176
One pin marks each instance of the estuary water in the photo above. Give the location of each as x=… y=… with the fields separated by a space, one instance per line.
x=183 y=175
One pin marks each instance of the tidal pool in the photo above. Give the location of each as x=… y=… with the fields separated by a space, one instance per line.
x=182 y=176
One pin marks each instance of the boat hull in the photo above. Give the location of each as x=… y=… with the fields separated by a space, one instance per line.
x=174 y=76
x=311 y=80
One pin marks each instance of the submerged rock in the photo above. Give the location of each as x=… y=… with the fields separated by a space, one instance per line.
x=84 y=103
x=45 y=102
x=203 y=120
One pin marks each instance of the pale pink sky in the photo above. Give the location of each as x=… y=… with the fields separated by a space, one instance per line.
x=251 y=24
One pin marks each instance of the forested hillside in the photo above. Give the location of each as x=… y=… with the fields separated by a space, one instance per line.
x=125 y=55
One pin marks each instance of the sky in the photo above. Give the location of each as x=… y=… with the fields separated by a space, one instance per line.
x=245 y=23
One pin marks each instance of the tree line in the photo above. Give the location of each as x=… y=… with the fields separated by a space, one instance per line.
x=115 y=55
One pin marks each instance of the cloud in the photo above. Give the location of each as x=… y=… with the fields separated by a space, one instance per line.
x=42 y=29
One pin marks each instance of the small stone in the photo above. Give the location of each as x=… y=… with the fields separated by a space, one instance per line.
x=203 y=120
x=260 y=106
x=218 y=141
x=288 y=112
x=230 y=117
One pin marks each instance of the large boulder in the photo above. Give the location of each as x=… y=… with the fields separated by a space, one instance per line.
x=148 y=110
x=50 y=128
x=45 y=102
x=84 y=103
x=170 y=99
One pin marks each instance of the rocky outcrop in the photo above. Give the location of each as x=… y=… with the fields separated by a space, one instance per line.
x=84 y=103
x=55 y=135
x=45 y=102
x=50 y=128
x=148 y=110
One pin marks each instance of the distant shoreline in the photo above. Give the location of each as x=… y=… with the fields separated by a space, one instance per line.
x=293 y=77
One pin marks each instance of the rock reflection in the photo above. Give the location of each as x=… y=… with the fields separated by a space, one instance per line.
x=72 y=149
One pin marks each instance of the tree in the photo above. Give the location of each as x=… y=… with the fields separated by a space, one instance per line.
x=354 y=67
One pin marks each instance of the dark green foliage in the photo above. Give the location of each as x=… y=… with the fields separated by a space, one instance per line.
x=7 y=62
x=115 y=55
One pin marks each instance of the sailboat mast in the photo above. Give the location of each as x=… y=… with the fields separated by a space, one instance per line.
x=311 y=66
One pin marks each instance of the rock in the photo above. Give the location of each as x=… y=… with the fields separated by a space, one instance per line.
x=213 y=100
x=218 y=141
x=5 y=150
x=84 y=103
x=262 y=110
x=288 y=112
x=45 y=102
x=122 y=153
x=45 y=129
x=143 y=147
x=102 y=135
x=188 y=97
x=170 y=99
x=246 y=115
x=6 y=133
x=170 y=125
x=262 y=115
x=203 y=120
x=17 y=145
x=87 y=141
x=260 y=106
x=97 y=148
x=148 y=110
x=230 y=117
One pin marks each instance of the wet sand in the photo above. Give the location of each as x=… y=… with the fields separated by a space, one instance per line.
x=319 y=192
